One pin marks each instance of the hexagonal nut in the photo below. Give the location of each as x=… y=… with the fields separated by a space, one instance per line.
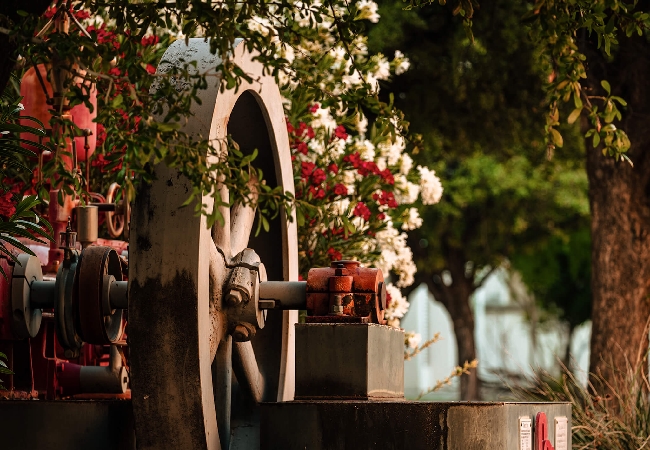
x=243 y=332
x=234 y=297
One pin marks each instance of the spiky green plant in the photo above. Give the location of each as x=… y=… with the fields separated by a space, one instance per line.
x=18 y=218
x=606 y=415
x=3 y=368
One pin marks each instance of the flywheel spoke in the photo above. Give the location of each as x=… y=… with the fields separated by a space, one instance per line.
x=222 y=385
x=247 y=371
x=221 y=233
x=242 y=217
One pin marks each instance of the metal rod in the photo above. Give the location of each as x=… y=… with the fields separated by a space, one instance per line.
x=42 y=294
x=103 y=206
x=285 y=294
x=118 y=295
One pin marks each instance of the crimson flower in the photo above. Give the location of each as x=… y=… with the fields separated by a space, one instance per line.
x=340 y=189
x=149 y=40
x=318 y=176
x=354 y=159
x=306 y=168
x=7 y=206
x=302 y=148
x=316 y=193
x=334 y=254
x=361 y=210
x=340 y=133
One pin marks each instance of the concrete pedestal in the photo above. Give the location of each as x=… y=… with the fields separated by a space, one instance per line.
x=349 y=361
x=70 y=425
x=397 y=425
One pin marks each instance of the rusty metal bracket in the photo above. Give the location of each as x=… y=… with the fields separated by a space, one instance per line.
x=345 y=292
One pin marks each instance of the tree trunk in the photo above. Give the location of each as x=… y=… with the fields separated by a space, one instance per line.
x=620 y=207
x=464 y=330
x=566 y=361
x=455 y=298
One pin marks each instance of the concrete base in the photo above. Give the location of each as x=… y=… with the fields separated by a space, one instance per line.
x=70 y=425
x=349 y=361
x=397 y=425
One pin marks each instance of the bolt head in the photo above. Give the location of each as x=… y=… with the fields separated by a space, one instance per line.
x=234 y=297
x=243 y=332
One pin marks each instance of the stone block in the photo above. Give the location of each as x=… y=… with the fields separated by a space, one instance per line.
x=349 y=361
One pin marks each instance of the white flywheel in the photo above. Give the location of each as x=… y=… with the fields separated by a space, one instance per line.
x=192 y=386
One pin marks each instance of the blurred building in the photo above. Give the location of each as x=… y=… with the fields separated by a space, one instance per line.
x=510 y=345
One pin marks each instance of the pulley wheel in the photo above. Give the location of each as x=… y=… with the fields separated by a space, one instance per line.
x=98 y=323
x=192 y=386
x=117 y=223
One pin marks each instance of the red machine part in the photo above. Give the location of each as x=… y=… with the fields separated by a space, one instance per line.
x=345 y=292
x=36 y=105
x=40 y=368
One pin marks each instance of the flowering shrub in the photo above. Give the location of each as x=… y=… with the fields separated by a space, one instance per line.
x=357 y=191
x=356 y=188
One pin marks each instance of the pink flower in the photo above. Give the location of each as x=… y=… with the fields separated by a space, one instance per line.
x=314 y=108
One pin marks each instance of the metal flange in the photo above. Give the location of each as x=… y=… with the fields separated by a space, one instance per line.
x=65 y=313
x=26 y=321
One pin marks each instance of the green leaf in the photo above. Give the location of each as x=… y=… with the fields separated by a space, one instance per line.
x=117 y=101
x=557 y=137
x=596 y=140
x=611 y=24
x=606 y=86
x=574 y=115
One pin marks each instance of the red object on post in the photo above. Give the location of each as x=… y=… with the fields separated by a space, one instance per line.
x=541 y=433
x=345 y=292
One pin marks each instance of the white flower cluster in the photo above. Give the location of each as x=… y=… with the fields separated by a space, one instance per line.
x=412 y=339
x=411 y=219
x=430 y=186
x=367 y=10
x=397 y=307
x=396 y=255
x=402 y=63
